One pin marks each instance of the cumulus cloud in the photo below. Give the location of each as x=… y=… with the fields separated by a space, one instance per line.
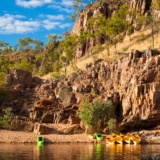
x=56 y=17
x=14 y=24
x=18 y=24
x=32 y=3
x=64 y=6
x=47 y=24
x=67 y=3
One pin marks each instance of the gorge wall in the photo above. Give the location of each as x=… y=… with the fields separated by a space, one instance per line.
x=132 y=84
x=106 y=8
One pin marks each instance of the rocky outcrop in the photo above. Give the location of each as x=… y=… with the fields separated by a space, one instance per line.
x=132 y=84
x=95 y=9
x=139 y=6
x=89 y=11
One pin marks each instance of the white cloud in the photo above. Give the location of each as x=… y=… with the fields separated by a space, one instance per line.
x=47 y=24
x=13 y=24
x=19 y=24
x=64 y=6
x=65 y=25
x=56 y=17
x=67 y=3
x=32 y=3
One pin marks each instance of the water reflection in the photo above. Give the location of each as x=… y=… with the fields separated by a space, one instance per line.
x=75 y=151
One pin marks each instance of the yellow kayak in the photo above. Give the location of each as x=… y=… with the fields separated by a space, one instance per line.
x=136 y=139
x=92 y=136
x=126 y=139
x=110 y=140
x=119 y=139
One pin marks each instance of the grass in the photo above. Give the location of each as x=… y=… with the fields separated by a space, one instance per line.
x=136 y=43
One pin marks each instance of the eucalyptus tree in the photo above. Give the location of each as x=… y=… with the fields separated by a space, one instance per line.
x=53 y=38
x=98 y=27
x=156 y=4
x=68 y=50
x=24 y=43
x=5 y=48
x=38 y=44
x=78 y=5
x=151 y=20
x=28 y=43
x=118 y=23
x=108 y=29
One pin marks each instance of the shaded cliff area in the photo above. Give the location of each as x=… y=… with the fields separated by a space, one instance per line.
x=131 y=84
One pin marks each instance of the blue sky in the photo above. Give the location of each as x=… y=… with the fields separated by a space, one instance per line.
x=33 y=18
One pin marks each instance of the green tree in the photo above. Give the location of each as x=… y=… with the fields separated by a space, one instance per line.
x=78 y=5
x=28 y=43
x=38 y=44
x=68 y=50
x=24 y=64
x=6 y=118
x=5 y=64
x=156 y=4
x=53 y=38
x=109 y=29
x=112 y=125
x=99 y=26
x=118 y=24
x=25 y=43
x=151 y=21
x=96 y=114
x=3 y=78
x=5 y=48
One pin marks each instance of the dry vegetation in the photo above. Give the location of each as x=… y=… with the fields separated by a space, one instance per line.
x=140 y=40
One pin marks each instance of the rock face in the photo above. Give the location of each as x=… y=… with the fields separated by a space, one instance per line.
x=141 y=6
x=87 y=13
x=95 y=9
x=132 y=84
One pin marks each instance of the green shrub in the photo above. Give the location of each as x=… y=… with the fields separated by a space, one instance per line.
x=64 y=93
x=96 y=114
x=6 y=118
x=3 y=78
x=112 y=125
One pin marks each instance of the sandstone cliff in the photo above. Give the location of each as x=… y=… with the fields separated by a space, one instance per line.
x=141 y=7
x=131 y=83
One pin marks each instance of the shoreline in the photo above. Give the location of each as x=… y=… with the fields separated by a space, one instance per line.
x=148 y=137
x=30 y=137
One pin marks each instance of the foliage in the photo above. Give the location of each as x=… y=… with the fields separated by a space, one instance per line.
x=78 y=5
x=46 y=69
x=55 y=75
x=153 y=22
x=5 y=48
x=156 y=4
x=28 y=43
x=5 y=64
x=96 y=113
x=64 y=93
x=112 y=125
x=109 y=29
x=24 y=64
x=53 y=38
x=3 y=78
x=6 y=118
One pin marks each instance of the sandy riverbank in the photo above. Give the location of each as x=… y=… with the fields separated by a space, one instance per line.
x=30 y=137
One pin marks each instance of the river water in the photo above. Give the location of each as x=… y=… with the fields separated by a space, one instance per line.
x=74 y=151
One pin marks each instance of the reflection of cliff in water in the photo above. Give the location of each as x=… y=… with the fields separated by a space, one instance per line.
x=69 y=151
